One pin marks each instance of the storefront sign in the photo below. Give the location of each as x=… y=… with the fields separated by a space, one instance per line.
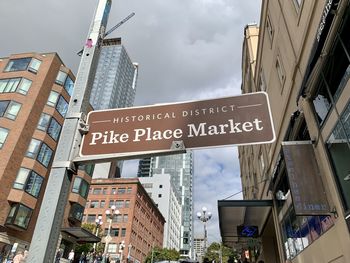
x=239 y=120
x=305 y=182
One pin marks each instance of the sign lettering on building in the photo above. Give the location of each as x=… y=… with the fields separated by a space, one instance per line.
x=244 y=119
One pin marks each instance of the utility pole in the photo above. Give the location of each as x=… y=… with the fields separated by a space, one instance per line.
x=48 y=226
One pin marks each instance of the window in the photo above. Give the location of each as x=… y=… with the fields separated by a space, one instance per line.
x=76 y=212
x=29 y=181
x=94 y=204
x=128 y=191
x=269 y=28
x=339 y=151
x=19 y=85
x=118 y=218
x=123 y=234
x=33 y=148
x=159 y=195
x=53 y=97
x=69 y=85
x=81 y=187
x=62 y=106
x=115 y=232
x=45 y=154
x=43 y=121
x=102 y=203
x=125 y=218
x=91 y=219
x=18 y=64
x=119 y=203
x=12 y=110
x=298 y=232
x=113 y=191
x=19 y=215
x=34 y=65
x=40 y=151
x=88 y=168
x=3 y=135
x=121 y=190
x=96 y=191
x=54 y=129
x=112 y=248
x=280 y=70
x=9 y=109
x=160 y=186
x=61 y=77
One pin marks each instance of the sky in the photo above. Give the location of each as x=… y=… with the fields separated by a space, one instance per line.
x=186 y=50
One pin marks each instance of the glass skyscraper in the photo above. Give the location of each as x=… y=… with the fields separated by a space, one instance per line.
x=180 y=167
x=116 y=76
x=114 y=87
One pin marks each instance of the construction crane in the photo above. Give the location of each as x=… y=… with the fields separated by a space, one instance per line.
x=112 y=29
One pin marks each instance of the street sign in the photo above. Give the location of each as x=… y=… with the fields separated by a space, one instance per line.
x=239 y=120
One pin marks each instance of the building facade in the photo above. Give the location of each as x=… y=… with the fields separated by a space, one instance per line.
x=138 y=223
x=35 y=91
x=161 y=190
x=198 y=248
x=180 y=167
x=302 y=61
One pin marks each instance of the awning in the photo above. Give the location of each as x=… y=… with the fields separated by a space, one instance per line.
x=82 y=235
x=233 y=213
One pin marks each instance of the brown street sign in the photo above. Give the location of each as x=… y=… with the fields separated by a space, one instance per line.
x=239 y=120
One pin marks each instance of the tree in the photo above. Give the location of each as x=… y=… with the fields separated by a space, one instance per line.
x=160 y=254
x=87 y=247
x=214 y=251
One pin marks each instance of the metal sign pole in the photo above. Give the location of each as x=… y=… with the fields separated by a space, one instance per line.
x=47 y=230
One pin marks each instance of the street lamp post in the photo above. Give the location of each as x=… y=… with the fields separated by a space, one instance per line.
x=110 y=214
x=98 y=222
x=129 y=252
x=121 y=249
x=204 y=217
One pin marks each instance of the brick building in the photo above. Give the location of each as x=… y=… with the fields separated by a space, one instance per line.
x=138 y=222
x=35 y=91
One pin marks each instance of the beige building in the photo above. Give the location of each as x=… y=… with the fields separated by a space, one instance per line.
x=297 y=190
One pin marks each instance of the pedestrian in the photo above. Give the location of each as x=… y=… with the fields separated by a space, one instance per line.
x=71 y=256
x=58 y=256
x=99 y=258
x=82 y=258
x=19 y=257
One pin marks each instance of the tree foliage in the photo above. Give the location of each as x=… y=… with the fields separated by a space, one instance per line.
x=87 y=247
x=214 y=251
x=160 y=254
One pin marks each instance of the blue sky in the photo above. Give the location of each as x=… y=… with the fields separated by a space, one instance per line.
x=186 y=50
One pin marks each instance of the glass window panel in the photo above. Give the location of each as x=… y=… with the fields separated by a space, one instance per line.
x=11 y=214
x=34 y=183
x=43 y=121
x=69 y=85
x=52 y=99
x=123 y=232
x=24 y=86
x=33 y=148
x=13 y=110
x=76 y=212
x=3 y=84
x=102 y=204
x=94 y=204
x=54 y=129
x=91 y=218
x=34 y=65
x=3 y=135
x=61 y=77
x=12 y=85
x=84 y=189
x=18 y=64
x=76 y=185
x=3 y=107
x=45 y=154
x=23 y=216
x=21 y=179
x=62 y=106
